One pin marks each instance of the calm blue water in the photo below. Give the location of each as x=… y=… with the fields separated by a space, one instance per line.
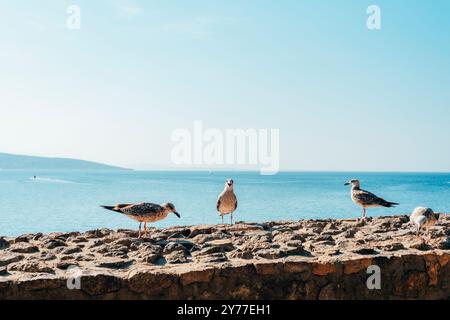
x=69 y=201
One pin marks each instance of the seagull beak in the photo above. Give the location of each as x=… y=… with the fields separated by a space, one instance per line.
x=177 y=214
x=346 y=184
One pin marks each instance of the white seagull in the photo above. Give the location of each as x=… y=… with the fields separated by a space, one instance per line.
x=423 y=218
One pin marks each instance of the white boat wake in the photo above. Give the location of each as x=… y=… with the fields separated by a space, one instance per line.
x=51 y=180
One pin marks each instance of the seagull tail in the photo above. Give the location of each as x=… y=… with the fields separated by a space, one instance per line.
x=109 y=208
x=390 y=204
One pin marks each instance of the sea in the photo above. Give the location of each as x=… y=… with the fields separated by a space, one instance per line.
x=64 y=201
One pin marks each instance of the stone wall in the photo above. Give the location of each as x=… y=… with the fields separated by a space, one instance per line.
x=311 y=259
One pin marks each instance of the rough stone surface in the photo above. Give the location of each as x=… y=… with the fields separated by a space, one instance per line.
x=307 y=259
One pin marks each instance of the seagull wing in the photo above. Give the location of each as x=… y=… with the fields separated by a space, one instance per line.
x=141 y=209
x=218 y=204
x=368 y=198
x=120 y=206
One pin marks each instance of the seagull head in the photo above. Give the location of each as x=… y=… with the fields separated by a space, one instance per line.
x=171 y=208
x=354 y=183
x=229 y=184
x=436 y=217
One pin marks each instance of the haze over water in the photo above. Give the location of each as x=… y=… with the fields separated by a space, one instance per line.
x=69 y=200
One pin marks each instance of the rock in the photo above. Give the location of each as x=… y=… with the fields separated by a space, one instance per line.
x=37 y=236
x=84 y=257
x=324 y=243
x=350 y=233
x=79 y=239
x=176 y=235
x=115 y=263
x=116 y=254
x=4 y=244
x=294 y=243
x=269 y=253
x=201 y=229
x=172 y=247
x=47 y=256
x=212 y=258
x=324 y=237
x=239 y=254
x=366 y=251
x=420 y=245
x=100 y=249
x=23 y=247
x=148 y=253
x=66 y=236
x=30 y=266
x=71 y=250
x=3 y=271
x=287 y=236
x=224 y=245
x=292 y=250
x=188 y=245
x=67 y=258
x=125 y=242
x=99 y=233
x=6 y=259
x=445 y=244
x=53 y=243
x=96 y=243
x=23 y=238
x=176 y=257
x=64 y=265
x=393 y=247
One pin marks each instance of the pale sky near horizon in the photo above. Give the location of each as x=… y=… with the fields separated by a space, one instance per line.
x=344 y=97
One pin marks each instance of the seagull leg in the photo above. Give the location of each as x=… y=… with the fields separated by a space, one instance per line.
x=231 y=218
x=222 y=218
x=145 y=229
x=364 y=213
x=139 y=236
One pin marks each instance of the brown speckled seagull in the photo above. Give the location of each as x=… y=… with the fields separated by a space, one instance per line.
x=144 y=212
x=366 y=199
x=227 y=201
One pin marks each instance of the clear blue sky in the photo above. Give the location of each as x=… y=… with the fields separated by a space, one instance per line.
x=344 y=97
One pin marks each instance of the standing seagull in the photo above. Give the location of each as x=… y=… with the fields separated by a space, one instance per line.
x=366 y=199
x=144 y=212
x=227 y=201
x=423 y=218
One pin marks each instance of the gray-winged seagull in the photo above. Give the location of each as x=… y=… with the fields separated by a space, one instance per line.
x=144 y=212
x=365 y=198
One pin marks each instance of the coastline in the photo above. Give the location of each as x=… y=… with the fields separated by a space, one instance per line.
x=307 y=259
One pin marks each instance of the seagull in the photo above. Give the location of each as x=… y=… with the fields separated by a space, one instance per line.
x=423 y=218
x=144 y=212
x=366 y=199
x=227 y=201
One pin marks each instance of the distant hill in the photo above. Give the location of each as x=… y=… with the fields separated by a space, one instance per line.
x=16 y=162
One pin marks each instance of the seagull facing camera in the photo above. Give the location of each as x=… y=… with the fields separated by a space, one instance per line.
x=227 y=200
